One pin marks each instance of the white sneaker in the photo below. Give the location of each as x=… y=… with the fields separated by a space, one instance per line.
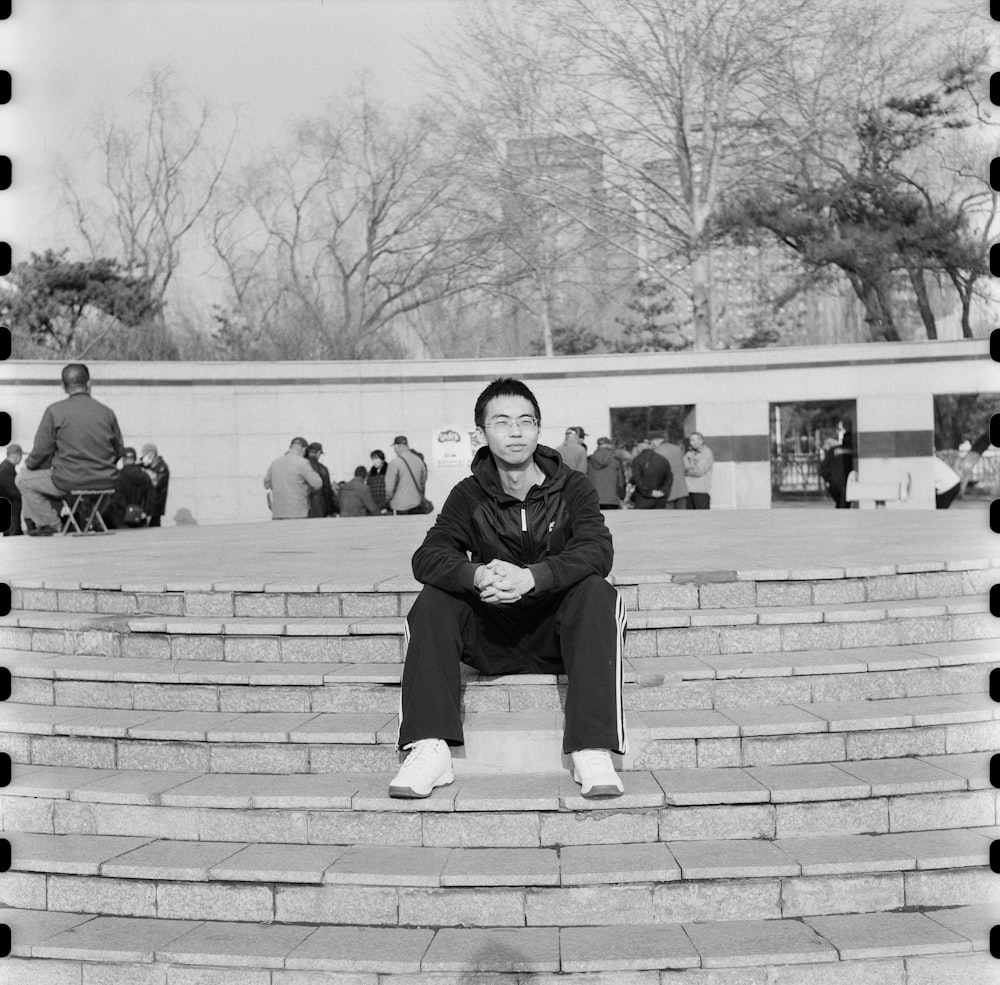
x=427 y=766
x=594 y=771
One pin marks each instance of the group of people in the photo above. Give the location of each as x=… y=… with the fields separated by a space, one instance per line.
x=656 y=474
x=298 y=484
x=837 y=462
x=79 y=446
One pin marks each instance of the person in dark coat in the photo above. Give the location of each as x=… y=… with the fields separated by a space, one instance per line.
x=132 y=488
x=322 y=501
x=606 y=472
x=838 y=463
x=652 y=478
x=514 y=576
x=356 y=498
x=9 y=491
x=376 y=479
x=159 y=474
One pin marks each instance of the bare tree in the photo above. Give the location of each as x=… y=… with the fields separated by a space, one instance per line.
x=159 y=174
x=557 y=268
x=684 y=102
x=362 y=220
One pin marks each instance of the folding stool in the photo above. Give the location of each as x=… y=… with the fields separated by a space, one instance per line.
x=89 y=502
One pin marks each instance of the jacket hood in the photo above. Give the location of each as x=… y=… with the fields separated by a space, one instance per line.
x=603 y=457
x=484 y=468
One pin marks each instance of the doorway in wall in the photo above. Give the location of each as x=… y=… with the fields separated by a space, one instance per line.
x=801 y=431
x=961 y=432
x=632 y=424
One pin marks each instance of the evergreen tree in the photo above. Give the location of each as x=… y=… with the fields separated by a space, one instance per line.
x=651 y=324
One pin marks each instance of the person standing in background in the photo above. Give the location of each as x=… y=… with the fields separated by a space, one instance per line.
x=322 y=501
x=677 y=496
x=405 y=479
x=698 y=464
x=651 y=478
x=288 y=481
x=607 y=474
x=573 y=451
x=376 y=479
x=839 y=464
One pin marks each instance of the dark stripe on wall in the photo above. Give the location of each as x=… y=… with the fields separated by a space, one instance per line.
x=871 y=444
x=895 y=444
x=740 y=447
x=487 y=375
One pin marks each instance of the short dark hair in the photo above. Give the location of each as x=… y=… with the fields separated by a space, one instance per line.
x=504 y=386
x=378 y=453
x=129 y=452
x=360 y=472
x=75 y=374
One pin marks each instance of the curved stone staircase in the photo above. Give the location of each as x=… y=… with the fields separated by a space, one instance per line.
x=200 y=791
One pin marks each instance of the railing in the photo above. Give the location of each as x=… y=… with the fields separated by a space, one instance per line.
x=985 y=474
x=797 y=473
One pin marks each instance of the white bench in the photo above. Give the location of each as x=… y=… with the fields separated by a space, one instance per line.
x=879 y=491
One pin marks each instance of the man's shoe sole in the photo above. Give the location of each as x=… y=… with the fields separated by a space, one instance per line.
x=408 y=793
x=599 y=790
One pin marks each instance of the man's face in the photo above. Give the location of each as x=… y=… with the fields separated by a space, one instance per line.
x=696 y=441
x=14 y=457
x=511 y=442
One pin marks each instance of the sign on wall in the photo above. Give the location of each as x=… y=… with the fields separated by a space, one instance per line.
x=453 y=447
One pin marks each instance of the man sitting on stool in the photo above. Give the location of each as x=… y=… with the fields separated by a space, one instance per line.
x=514 y=583
x=76 y=447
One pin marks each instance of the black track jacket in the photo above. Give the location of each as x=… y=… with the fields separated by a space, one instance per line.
x=558 y=531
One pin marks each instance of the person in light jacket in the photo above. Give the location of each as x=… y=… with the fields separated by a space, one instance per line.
x=698 y=463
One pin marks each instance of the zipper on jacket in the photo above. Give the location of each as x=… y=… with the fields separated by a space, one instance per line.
x=525 y=536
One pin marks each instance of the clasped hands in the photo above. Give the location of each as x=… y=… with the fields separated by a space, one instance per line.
x=501 y=583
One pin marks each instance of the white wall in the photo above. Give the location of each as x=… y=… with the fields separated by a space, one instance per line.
x=218 y=425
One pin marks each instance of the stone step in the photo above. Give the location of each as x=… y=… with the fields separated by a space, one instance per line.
x=650 y=682
x=812 y=854
x=510 y=887
x=900 y=948
x=531 y=810
x=380 y=639
x=369 y=624
x=393 y=596
x=495 y=742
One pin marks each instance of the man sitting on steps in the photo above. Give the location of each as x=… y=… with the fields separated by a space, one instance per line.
x=514 y=582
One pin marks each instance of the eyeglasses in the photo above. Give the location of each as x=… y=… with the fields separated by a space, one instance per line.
x=504 y=425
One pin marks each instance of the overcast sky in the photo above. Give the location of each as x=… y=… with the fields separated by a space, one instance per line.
x=274 y=59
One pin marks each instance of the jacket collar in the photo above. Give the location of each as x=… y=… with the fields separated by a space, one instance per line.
x=484 y=468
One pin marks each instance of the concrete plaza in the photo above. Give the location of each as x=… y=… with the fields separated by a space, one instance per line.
x=361 y=554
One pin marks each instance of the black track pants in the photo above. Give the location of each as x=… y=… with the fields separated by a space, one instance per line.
x=580 y=633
